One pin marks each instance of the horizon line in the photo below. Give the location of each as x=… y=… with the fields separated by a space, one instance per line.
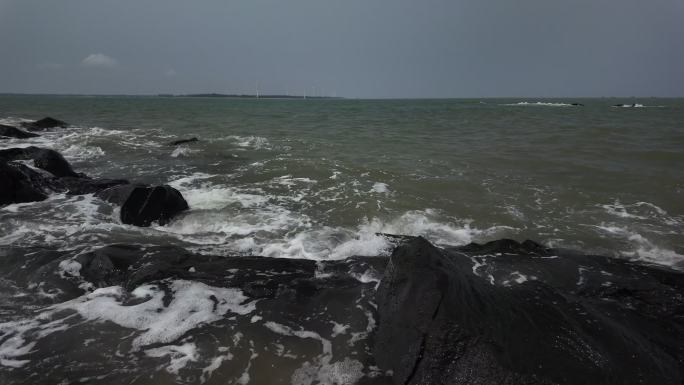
x=285 y=96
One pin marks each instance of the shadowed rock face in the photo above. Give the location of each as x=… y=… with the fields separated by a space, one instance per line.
x=141 y=205
x=510 y=313
x=43 y=158
x=44 y=124
x=53 y=174
x=13 y=132
x=20 y=184
x=54 y=163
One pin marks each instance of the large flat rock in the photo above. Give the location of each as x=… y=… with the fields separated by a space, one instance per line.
x=500 y=313
x=152 y=315
x=510 y=313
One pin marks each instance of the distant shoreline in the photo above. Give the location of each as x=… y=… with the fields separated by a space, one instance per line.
x=278 y=96
x=202 y=95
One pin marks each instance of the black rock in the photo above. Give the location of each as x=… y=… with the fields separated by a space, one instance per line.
x=54 y=174
x=20 y=184
x=44 y=124
x=297 y=321
x=183 y=141
x=43 y=158
x=510 y=313
x=141 y=205
x=54 y=163
x=13 y=132
x=11 y=154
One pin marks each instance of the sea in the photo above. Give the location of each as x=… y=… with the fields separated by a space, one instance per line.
x=320 y=178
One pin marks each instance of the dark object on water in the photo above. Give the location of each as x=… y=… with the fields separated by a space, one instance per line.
x=182 y=141
x=44 y=124
x=141 y=205
x=577 y=104
x=13 y=132
x=511 y=313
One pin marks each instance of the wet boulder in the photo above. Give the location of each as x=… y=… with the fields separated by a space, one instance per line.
x=43 y=158
x=53 y=162
x=183 y=141
x=512 y=313
x=13 y=132
x=52 y=173
x=141 y=205
x=44 y=124
x=20 y=184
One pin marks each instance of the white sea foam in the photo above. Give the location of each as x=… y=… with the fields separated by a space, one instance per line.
x=340 y=243
x=517 y=277
x=380 y=188
x=643 y=249
x=252 y=142
x=273 y=231
x=320 y=370
x=640 y=210
x=80 y=152
x=193 y=304
x=636 y=105
x=289 y=180
x=204 y=195
x=179 y=355
x=76 y=143
x=71 y=219
x=219 y=197
x=183 y=151
x=215 y=363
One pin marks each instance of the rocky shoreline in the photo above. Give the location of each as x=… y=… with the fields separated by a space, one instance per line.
x=499 y=313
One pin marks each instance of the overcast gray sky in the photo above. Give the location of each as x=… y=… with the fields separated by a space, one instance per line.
x=356 y=48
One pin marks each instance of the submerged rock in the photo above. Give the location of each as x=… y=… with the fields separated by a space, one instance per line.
x=44 y=124
x=183 y=141
x=85 y=185
x=141 y=205
x=13 y=132
x=511 y=313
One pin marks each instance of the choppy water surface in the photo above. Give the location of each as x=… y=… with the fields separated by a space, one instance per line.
x=318 y=178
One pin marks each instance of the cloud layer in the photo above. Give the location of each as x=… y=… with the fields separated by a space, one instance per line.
x=353 y=48
x=99 y=60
